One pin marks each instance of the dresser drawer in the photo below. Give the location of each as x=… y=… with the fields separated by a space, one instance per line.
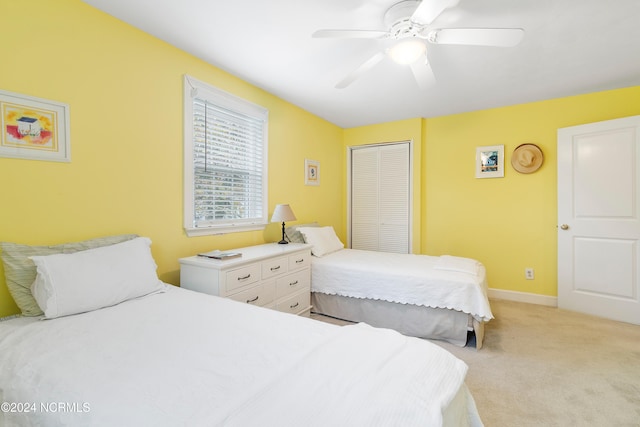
x=243 y=276
x=300 y=260
x=292 y=283
x=261 y=294
x=275 y=266
x=296 y=303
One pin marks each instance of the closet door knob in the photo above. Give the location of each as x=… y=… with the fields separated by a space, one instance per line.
x=564 y=227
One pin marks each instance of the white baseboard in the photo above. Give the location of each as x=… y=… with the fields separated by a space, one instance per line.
x=523 y=297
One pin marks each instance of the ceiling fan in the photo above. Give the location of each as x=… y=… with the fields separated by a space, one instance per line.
x=408 y=24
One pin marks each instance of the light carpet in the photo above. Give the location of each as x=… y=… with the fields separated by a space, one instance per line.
x=542 y=366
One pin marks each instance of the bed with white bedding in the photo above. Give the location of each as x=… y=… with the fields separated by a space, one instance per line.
x=442 y=297
x=172 y=357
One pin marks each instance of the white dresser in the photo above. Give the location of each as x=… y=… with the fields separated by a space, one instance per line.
x=270 y=275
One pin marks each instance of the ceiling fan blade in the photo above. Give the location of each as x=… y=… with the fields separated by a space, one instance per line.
x=363 y=68
x=500 y=37
x=353 y=34
x=428 y=10
x=423 y=74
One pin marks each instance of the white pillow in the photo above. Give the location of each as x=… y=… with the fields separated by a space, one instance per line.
x=323 y=240
x=87 y=280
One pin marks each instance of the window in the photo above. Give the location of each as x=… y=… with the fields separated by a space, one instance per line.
x=225 y=146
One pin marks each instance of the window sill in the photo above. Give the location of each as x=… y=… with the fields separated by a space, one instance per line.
x=213 y=231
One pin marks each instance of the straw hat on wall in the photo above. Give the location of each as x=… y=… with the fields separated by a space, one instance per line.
x=527 y=158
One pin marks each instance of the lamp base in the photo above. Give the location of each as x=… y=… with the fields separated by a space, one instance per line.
x=283 y=241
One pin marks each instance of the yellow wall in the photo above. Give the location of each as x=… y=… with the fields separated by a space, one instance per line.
x=124 y=90
x=507 y=223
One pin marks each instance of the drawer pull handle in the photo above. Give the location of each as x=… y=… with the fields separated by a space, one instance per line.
x=253 y=300
x=245 y=277
x=294 y=305
x=293 y=283
x=275 y=268
x=299 y=261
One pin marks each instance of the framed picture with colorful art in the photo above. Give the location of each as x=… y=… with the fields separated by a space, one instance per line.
x=490 y=161
x=34 y=128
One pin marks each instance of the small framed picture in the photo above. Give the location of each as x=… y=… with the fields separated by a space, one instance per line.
x=490 y=161
x=311 y=172
x=33 y=128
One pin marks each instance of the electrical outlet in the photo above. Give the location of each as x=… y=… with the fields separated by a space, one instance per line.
x=528 y=273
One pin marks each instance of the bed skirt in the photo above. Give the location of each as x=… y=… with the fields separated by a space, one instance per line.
x=413 y=320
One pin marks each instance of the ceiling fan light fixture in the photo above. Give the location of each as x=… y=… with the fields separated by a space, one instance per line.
x=407 y=51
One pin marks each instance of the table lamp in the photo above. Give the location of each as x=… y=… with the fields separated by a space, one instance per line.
x=283 y=213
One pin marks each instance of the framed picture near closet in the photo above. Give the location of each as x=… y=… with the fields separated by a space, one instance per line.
x=311 y=172
x=490 y=161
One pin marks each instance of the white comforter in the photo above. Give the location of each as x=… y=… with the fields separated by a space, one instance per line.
x=440 y=282
x=186 y=359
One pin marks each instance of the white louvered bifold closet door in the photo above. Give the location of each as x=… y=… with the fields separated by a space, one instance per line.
x=380 y=203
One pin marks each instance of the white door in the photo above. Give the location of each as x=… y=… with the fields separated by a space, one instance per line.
x=365 y=199
x=380 y=202
x=598 y=219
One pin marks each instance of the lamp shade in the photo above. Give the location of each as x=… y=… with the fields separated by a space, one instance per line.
x=283 y=213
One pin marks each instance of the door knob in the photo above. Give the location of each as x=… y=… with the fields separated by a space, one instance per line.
x=564 y=227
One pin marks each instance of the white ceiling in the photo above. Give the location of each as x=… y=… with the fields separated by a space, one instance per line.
x=570 y=47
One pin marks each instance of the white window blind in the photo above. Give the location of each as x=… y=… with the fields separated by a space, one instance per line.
x=226 y=152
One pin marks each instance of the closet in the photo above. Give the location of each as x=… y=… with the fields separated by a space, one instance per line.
x=379 y=197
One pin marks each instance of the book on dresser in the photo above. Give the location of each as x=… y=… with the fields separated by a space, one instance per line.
x=220 y=255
